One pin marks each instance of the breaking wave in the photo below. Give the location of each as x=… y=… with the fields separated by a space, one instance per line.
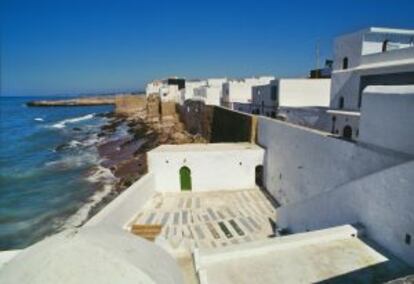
x=62 y=124
x=106 y=179
x=39 y=119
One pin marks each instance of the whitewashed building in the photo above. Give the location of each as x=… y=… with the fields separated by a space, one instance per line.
x=211 y=93
x=237 y=92
x=169 y=89
x=373 y=56
x=188 y=92
x=290 y=93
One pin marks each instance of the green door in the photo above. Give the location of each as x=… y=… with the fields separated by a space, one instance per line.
x=185 y=178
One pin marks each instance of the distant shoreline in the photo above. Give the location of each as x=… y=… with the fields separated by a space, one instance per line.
x=88 y=101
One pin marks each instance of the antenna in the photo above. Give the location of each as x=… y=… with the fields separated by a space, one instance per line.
x=317 y=53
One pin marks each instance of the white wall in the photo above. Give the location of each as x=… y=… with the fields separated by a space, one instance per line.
x=211 y=95
x=387 y=117
x=240 y=91
x=123 y=209
x=381 y=202
x=188 y=92
x=304 y=92
x=214 y=167
x=350 y=46
x=300 y=163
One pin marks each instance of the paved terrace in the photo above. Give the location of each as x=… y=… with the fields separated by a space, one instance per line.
x=210 y=219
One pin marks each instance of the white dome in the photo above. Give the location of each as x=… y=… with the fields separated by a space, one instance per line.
x=92 y=255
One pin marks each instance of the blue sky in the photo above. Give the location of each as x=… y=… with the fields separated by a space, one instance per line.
x=62 y=47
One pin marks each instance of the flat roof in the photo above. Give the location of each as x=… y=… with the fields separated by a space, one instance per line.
x=206 y=147
x=391 y=30
x=344 y=112
x=335 y=255
x=393 y=89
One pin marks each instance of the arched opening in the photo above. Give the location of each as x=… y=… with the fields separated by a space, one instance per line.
x=385 y=45
x=185 y=178
x=345 y=63
x=341 y=102
x=347 y=132
x=259 y=175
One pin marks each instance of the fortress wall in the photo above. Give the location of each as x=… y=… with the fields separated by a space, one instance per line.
x=217 y=124
x=301 y=163
x=129 y=104
x=231 y=126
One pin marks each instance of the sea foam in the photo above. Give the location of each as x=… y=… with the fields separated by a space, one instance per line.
x=62 y=124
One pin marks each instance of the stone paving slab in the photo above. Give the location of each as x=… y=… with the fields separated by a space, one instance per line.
x=210 y=219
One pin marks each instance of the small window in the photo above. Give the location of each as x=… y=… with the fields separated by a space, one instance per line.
x=345 y=63
x=273 y=93
x=385 y=45
x=341 y=102
x=273 y=114
x=408 y=239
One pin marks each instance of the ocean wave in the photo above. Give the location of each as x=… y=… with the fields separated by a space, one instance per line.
x=103 y=176
x=39 y=119
x=62 y=124
x=74 y=161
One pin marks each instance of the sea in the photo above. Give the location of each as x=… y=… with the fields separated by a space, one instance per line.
x=49 y=168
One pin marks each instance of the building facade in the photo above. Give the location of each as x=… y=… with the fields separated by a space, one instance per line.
x=240 y=91
x=211 y=92
x=290 y=93
x=373 y=56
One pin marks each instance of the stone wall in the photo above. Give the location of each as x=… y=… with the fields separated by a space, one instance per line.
x=197 y=118
x=217 y=124
x=129 y=104
x=231 y=126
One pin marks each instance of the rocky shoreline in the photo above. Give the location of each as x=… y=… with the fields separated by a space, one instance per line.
x=125 y=156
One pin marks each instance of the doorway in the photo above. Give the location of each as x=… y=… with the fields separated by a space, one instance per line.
x=259 y=175
x=185 y=179
x=347 y=132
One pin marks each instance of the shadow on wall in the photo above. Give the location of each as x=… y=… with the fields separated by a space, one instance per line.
x=230 y=126
x=216 y=124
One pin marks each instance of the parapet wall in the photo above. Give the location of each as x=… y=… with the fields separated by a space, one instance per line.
x=301 y=163
x=382 y=202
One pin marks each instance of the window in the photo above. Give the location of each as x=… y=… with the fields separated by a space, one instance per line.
x=385 y=45
x=273 y=93
x=345 y=63
x=407 y=239
x=341 y=102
